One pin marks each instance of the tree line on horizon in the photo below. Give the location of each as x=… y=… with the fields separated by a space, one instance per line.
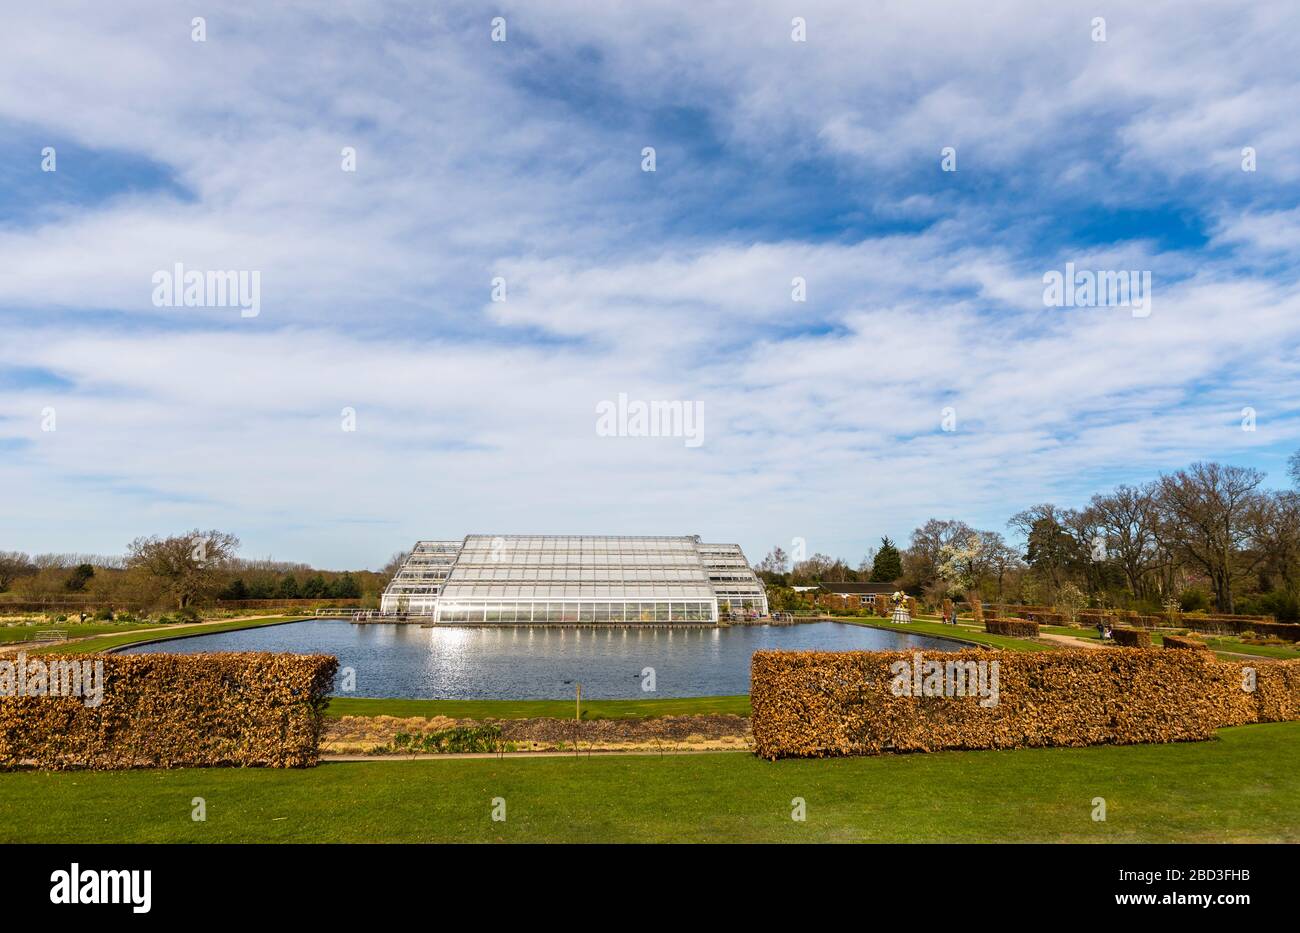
x=176 y=571
x=1206 y=537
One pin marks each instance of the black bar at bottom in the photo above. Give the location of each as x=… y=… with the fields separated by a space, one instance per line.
x=327 y=883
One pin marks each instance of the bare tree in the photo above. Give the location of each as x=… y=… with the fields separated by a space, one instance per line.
x=394 y=564
x=776 y=561
x=1129 y=519
x=185 y=564
x=1279 y=539
x=1087 y=548
x=999 y=558
x=70 y=560
x=1214 y=511
x=14 y=564
x=818 y=568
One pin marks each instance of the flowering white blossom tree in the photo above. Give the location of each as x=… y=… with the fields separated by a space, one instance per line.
x=964 y=564
x=1070 y=601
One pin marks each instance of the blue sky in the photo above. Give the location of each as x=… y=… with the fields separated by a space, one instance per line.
x=523 y=160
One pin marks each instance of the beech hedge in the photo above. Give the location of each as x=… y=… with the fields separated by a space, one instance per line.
x=1182 y=642
x=818 y=704
x=172 y=710
x=1131 y=637
x=1017 y=628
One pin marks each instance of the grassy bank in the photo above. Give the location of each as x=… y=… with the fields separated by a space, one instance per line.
x=530 y=709
x=1240 y=787
x=1278 y=652
x=923 y=626
x=162 y=633
x=17 y=634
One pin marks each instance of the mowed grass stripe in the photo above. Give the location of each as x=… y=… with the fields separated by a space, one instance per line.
x=176 y=630
x=1240 y=787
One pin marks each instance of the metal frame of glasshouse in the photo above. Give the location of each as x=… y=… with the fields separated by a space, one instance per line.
x=574 y=579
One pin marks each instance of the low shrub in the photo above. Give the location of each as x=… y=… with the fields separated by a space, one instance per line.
x=1263 y=640
x=1017 y=628
x=1289 y=631
x=1131 y=637
x=103 y=615
x=460 y=740
x=1177 y=641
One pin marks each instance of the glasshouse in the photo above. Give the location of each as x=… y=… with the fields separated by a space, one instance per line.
x=574 y=579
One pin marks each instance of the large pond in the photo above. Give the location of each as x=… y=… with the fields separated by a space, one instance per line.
x=544 y=663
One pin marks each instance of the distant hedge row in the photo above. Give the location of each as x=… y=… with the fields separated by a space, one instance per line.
x=1179 y=641
x=287 y=603
x=163 y=710
x=816 y=704
x=1017 y=628
x=1092 y=617
x=1228 y=626
x=1210 y=624
x=1131 y=637
x=1216 y=623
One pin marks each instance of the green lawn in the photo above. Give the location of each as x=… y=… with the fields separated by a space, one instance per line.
x=1240 y=787
x=922 y=626
x=163 y=632
x=529 y=709
x=12 y=634
x=1281 y=652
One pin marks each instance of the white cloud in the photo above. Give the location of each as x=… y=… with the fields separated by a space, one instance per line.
x=475 y=160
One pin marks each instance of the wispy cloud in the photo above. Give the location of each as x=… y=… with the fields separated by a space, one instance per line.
x=521 y=162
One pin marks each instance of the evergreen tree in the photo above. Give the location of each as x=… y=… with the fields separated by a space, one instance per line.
x=80 y=577
x=236 y=590
x=888 y=565
x=261 y=589
x=313 y=587
x=346 y=587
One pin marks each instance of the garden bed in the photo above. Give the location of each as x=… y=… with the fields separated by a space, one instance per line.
x=389 y=735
